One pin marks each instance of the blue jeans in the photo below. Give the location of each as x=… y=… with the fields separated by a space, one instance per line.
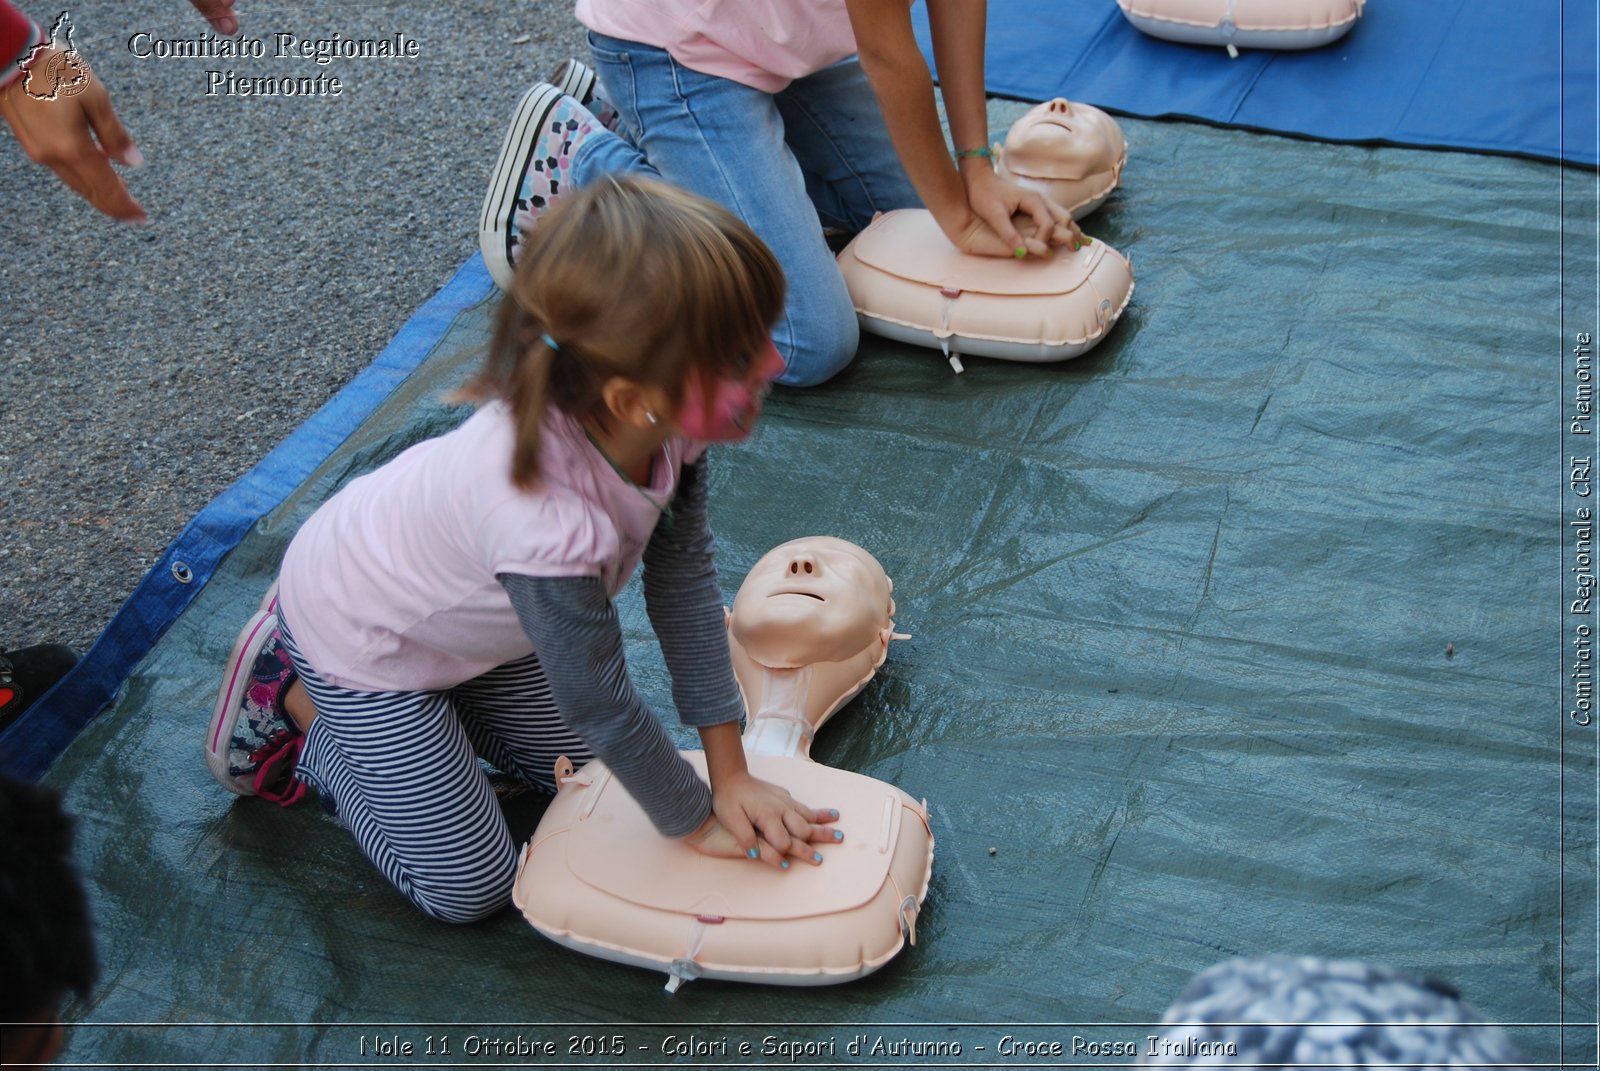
x=815 y=154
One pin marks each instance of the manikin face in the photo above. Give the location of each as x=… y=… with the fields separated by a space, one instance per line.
x=1059 y=139
x=816 y=599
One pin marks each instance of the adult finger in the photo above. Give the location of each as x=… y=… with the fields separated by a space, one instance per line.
x=106 y=190
x=65 y=146
x=220 y=14
x=102 y=118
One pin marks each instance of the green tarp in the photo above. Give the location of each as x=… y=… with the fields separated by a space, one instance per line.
x=1245 y=633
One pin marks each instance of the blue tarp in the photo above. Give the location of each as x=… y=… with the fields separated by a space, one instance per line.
x=1480 y=75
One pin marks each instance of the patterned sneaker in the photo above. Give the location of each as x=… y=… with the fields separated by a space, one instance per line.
x=574 y=78
x=535 y=164
x=578 y=81
x=251 y=745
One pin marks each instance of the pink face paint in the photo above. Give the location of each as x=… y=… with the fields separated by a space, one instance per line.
x=734 y=405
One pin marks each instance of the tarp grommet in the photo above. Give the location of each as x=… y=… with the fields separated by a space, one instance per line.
x=182 y=573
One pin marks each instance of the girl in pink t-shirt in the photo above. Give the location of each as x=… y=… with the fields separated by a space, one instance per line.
x=456 y=603
x=799 y=116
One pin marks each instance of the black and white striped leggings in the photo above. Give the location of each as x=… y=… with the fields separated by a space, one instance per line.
x=401 y=770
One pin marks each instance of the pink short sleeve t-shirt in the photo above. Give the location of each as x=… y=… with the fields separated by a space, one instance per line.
x=390 y=586
x=765 y=44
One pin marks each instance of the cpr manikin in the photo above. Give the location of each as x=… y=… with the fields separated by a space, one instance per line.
x=809 y=627
x=908 y=282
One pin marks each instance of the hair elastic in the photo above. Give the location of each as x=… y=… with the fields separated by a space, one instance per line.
x=975 y=154
x=548 y=341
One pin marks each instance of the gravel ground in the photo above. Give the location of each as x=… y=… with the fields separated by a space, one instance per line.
x=148 y=367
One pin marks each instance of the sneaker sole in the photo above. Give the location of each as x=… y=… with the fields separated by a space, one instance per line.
x=494 y=225
x=235 y=682
x=575 y=79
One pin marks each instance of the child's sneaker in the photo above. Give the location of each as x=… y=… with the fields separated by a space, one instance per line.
x=578 y=81
x=574 y=78
x=534 y=166
x=252 y=745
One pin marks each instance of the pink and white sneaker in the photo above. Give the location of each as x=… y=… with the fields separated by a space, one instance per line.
x=532 y=171
x=578 y=81
x=252 y=746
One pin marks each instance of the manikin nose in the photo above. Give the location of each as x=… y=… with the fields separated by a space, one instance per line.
x=1060 y=106
x=804 y=565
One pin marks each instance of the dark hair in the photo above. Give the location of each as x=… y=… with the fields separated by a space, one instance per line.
x=628 y=277
x=46 y=940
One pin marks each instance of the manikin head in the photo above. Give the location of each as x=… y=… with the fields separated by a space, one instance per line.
x=809 y=627
x=1072 y=153
x=1060 y=139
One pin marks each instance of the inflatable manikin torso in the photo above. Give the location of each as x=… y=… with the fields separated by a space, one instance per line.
x=1236 y=24
x=1071 y=153
x=909 y=283
x=809 y=628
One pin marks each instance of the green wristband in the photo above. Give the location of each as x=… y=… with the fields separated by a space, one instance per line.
x=974 y=154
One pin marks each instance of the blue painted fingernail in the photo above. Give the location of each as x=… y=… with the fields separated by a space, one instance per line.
x=754 y=853
x=816 y=857
x=784 y=865
x=838 y=834
x=834 y=814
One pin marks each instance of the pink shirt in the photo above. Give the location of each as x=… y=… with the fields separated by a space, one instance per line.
x=765 y=44
x=390 y=585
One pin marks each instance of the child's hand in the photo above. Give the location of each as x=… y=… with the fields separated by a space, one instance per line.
x=749 y=815
x=981 y=239
x=1009 y=220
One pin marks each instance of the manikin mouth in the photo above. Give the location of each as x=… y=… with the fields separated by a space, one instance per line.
x=807 y=594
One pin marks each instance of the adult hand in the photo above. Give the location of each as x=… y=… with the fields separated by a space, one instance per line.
x=748 y=814
x=75 y=135
x=220 y=14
